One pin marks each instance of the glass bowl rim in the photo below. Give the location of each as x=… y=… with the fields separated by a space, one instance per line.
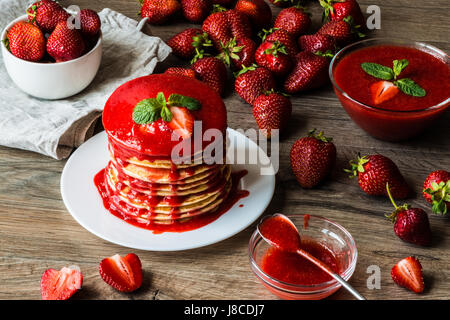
x=321 y=287
x=387 y=41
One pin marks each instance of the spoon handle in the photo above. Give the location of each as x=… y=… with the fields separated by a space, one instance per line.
x=325 y=268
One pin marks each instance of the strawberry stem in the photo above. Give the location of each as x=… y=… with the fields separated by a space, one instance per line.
x=390 y=196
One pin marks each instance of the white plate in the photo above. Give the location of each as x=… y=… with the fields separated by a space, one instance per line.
x=85 y=204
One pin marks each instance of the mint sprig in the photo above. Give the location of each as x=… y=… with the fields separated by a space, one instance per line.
x=406 y=85
x=153 y=109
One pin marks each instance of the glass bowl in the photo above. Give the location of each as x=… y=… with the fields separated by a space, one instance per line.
x=329 y=234
x=384 y=124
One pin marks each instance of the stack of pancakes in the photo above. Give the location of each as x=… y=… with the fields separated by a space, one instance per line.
x=161 y=192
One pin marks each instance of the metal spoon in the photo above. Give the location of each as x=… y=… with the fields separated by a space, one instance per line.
x=291 y=231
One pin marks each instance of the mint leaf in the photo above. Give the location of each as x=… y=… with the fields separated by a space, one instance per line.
x=399 y=66
x=147 y=111
x=161 y=99
x=378 y=71
x=184 y=101
x=408 y=86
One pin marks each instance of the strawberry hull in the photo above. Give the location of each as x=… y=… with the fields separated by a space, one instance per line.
x=402 y=116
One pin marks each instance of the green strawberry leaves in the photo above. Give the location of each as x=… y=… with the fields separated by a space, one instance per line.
x=406 y=85
x=357 y=166
x=153 y=109
x=440 y=196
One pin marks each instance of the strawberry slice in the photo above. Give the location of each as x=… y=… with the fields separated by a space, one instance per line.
x=62 y=284
x=122 y=273
x=408 y=273
x=182 y=122
x=382 y=91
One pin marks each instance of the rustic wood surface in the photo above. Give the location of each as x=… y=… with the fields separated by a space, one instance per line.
x=37 y=232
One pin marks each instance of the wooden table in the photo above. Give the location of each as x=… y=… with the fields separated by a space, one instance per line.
x=37 y=232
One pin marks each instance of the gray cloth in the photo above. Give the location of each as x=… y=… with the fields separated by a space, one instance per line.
x=54 y=128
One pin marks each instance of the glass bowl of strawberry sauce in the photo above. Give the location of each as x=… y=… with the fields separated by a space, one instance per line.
x=393 y=89
x=290 y=276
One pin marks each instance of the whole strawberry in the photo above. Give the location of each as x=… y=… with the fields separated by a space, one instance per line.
x=251 y=82
x=213 y=72
x=238 y=53
x=26 y=41
x=436 y=190
x=407 y=273
x=196 y=10
x=343 y=31
x=312 y=159
x=374 y=172
x=187 y=43
x=217 y=27
x=410 y=224
x=282 y=36
x=293 y=20
x=187 y=72
x=49 y=14
x=90 y=22
x=65 y=44
x=317 y=43
x=273 y=56
x=239 y=24
x=159 y=11
x=257 y=11
x=310 y=71
x=336 y=10
x=272 y=111
x=32 y=10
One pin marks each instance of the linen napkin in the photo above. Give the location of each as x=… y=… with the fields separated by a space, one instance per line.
x=55 y=128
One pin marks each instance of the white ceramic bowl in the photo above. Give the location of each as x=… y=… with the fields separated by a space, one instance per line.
x=52 y=81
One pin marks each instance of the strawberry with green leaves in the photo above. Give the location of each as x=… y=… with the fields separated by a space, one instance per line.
x=282 y=36
x=252 y=81
x=343 y=31
x=274 y=56
x=390 y=84
x=410 y=224
x=26 y=41
x=238 y=53
x=374 y=172
x=408 y=273
x=436 y=190
x=189 y=43
x=312 y=158
x=336 y=10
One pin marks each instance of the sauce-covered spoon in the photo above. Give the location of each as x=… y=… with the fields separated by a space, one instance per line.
x=280 y=232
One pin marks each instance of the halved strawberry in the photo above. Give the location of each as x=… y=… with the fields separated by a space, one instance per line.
x=382 y=91
x=62 y=284
x=182 y=122
x=408 y=273
x=122 y=273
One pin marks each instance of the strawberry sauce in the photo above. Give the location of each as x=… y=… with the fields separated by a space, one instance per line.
x=197 y=221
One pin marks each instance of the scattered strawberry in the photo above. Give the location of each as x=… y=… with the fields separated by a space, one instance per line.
x=62 y=284
x=182 y=122
x=272 y=111
x=26 y=41
x=32 y=11
x=65 y=44
x=196 y=10
x=187 y=43
x=310 y=72
x=336 y=10
x=436 y=191
x=312 y=159
x=90 y=22
x=159 y=11
x=122 y=273
x=239 y=24
x=283 y=37
x=273 y=56
x=382 y=91
x=343 y=31
x=257 y=11
x=374 y=172
x=408 y=273
x=240 y=52
x=410 y=224
x=49 y=14
x=293 y=20
x=213 y=72
x=181 y=71
x=317 y=43
x=252 y=81
x=217 y=28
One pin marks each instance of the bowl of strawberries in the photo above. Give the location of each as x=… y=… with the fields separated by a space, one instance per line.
x=50 y=53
